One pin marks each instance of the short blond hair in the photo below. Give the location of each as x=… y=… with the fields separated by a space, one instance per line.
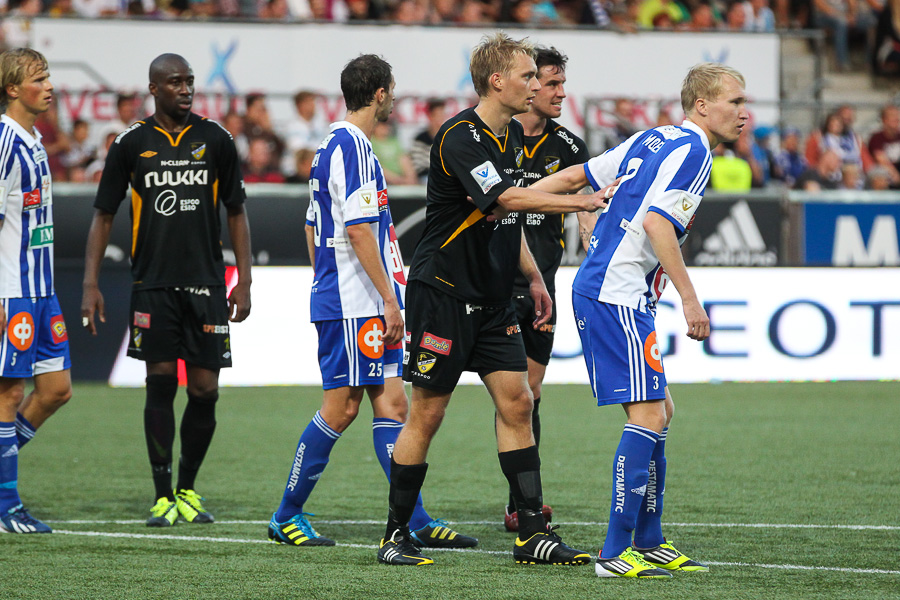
x=496 y=53
x=706 y=80
x=15 y=66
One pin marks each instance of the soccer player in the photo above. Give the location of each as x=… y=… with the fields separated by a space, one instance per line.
x=181 y=167
x=548 y=148
x=34 y=341
x=355 y=304
x=634 y=251
x=459 y=300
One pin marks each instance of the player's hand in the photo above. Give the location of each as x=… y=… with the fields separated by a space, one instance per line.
x=543 y=305
x=91 y=301
x=393 y=323
x=239 y=302
x=600 y=199
x=697 y=321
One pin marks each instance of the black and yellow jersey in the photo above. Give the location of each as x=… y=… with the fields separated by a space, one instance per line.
x=553 y=150
x=177 y=183
x=460 y=252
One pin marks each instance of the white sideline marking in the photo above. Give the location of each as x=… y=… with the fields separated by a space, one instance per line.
x=568 y=523
x=189 y=538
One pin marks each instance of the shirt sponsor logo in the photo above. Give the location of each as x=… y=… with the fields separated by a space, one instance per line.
x=565 y=136
x=438 y=344
x=40 y=155
x=425 y=362
x=684 y=209
x=370 y=338
x=200 y=290
x=547 y=328
x=31 y=200
x=165 y=203
x=198 y=150
x=46 y=197
x=20 y=331
x=513 y=329
x=474 y=133
x=173 y=178
x=337 y=243
x=486 y=176
x=58 y=329
x=215 y=328
x=148 y=154
x=142 y=320
x=627 y=226
x=189 y=204
x=382 y=199
x=41 y=236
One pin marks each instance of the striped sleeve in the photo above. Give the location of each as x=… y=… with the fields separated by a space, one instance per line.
x=688 y=166
x=353 y=177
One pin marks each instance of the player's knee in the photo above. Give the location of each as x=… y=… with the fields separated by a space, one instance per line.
x=517 y=409
x=204 y=390
x=57 y=398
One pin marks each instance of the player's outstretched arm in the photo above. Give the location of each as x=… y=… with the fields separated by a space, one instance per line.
x=364 y=244
x=239 y=230
x=311 y=244
x=568 y=181
x=543 y=305
x=91 y=298
x=661 y=234
x=516 y=199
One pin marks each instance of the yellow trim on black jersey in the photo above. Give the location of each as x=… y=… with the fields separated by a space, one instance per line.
x=494 y=137
x=536 y=146
x=441 y=145
x=562 y=229
x=175 y=141
x=442 y=281
x=215 y=191
x=136 y=204
x=475 y=216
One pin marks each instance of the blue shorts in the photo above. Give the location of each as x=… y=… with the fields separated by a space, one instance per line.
x=351 y=353
x=620 y=350
x=35 y=340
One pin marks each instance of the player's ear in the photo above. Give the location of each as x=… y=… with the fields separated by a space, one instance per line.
x=701 y=107
x=12 y=91
x=496 y=81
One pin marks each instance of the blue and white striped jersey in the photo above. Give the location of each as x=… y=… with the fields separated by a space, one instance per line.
x=664 y=170
x=347 y=187
x=26 y=209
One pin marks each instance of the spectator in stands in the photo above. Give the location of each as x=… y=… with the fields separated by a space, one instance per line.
x=54 y=139
x=273 y=10
x=409 y=11
x=840 y=18
x=420 y=151
x=650 y=8
x=836 y=135
x=126 y=115
x=234 y=123
x=886 y=59
x=302 y=166
x=258 y=124
x=364 y=10
x=61 y=8
x=826 y=175
x=760 y=16
x=703 y=18
x=730 y=172
x=305 y=132
x=884 y=145
x=851 y=177
x=472 y=11
x=97 y=8
x=736 y=17
x=258 y=168
x=395 y=162
x=878 y=179
x=623 y=125
x=789 y=162
x=94 y=170
x=520 y=12
x=81 y=152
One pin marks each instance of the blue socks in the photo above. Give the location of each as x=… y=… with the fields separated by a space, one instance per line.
x=310 y=460
x=24 y=430
x=630 y=476
x=9 y=467
x=384 y=434
x=648 y=533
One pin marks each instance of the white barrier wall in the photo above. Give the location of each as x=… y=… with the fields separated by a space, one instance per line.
x=427 y=61
x=768 y=324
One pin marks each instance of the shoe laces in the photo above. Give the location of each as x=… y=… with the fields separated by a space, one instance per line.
x=304 y=525
x=551 y=531
x=637 y=558
x=438 y=523
x=21 y=514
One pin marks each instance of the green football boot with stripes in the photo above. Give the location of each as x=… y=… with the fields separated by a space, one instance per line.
x=163 y=513
x=190 y=507
x=666 y=556
x=437 y=534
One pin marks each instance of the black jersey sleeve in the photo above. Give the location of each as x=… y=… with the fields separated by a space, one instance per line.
x=231 y=181
x=116 y=175
x=465 y=154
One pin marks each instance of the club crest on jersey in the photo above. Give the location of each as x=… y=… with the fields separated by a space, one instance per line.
x=520 y=156
x=137 y=336
x=148 y=154
x=551 y=164
x=425 y=362
x=198 y=150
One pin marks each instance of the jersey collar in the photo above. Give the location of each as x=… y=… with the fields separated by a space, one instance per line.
x=30 y=138
x=696 y=129
x=351 y=127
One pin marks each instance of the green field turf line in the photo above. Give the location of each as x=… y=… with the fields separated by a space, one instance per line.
x=566 y=523
x=189 y=538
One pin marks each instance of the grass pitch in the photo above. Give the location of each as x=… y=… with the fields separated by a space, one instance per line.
x=787 y=490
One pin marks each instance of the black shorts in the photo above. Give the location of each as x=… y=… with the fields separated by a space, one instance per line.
x=538 y=342
x=189 y=323
x=446 y=336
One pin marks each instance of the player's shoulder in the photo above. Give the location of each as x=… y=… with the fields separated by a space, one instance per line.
x=575 y=143
x=211 y=127
x=463 y=128
x=133 y=132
